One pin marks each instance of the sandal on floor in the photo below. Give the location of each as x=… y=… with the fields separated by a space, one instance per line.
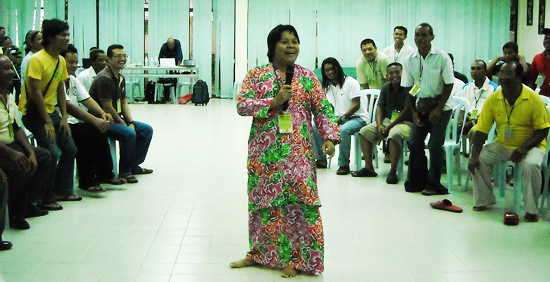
x=68 y=198
x=94 y=189
x=52 y=206
x=130 y=179
x=140 y=170
x=115 y=181
x=364 y=173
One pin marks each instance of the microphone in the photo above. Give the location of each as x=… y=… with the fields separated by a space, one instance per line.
x=289 y=75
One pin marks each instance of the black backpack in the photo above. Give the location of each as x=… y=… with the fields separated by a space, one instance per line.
x=200 y=93
x=150 y=92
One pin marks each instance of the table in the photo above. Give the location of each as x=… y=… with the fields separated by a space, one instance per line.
x=192 y=73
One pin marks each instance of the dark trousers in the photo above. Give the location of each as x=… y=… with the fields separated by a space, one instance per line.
x=62 y=152
x=3 y=202
x=25 y=188
x=419 y=176
x=93 y=155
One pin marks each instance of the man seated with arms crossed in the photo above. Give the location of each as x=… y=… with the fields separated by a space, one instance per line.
x=393 y=122
x=399 y=51
x=343 y=93
x=98 y=60
x=476 y=92
x=27 y=167
x=522 y=124
x=109 y=88
x=93 y=157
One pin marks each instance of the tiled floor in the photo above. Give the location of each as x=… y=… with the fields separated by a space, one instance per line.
x=188 y=220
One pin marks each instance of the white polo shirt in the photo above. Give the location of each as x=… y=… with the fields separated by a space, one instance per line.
x=76 y=94
x=477 y=96
x=431 y=74
x=341 y=98
x=400 y=56
x=86 y=77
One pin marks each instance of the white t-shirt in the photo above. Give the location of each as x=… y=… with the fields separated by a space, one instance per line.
x=86 y=77
x=341 y=98
x=477 y=96
x=76 y=94
x=7 y=118
x=400 y=57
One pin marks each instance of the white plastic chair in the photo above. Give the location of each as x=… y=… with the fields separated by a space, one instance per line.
x=370 y=97
x=546 y=100
x=236 y=89
x=452 y=142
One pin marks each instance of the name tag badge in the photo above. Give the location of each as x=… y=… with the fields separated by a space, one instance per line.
x=10 y=129
x=508 y=133
x=118 y=106
x=414 y=90
x=474 y=113
x=394 y=115
x=285 y=123
x=540 y=79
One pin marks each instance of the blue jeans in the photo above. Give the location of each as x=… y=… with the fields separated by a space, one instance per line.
x=419 y=176
x=133 y=145
x=62 y=151
x=347 y=130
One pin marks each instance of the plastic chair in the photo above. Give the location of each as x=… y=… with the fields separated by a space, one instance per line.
x=545 y=197
x=112 y=145
x=159 y=90
x=453 y=140
x=236 y=89
x=546 y=100
x=369 y=96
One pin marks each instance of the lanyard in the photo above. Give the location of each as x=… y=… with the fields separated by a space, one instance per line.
x=421 y=67
x=396 y=54
x=511 y=110
x=4 y=103
x=481 y=94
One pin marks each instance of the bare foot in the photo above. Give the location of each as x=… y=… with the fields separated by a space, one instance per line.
x=289 y=272
x=242 y=263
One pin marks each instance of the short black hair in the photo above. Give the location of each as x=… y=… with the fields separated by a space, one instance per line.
x=395 y=64
x=546 y=31
x=368 y=41
x=5 y=38
x=511 y=45
x=481 y=62
x=404 y=29
x=94 y=54
x=51 y=28
x=428 y=26
x=452 y=57
x=341 y=77
x=70 y=49
x=111 y=48
x=275 y=35
x=519 y=67
x=1 y=27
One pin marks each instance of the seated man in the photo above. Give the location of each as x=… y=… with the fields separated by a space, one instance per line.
x=26 y=167
x=98 y=59
x=476 y=92
x=393 y=122
x=522 y=124
x=510 y=51
x=93 y=155
x=109 y=88
x=4 y=245
x=343 y=93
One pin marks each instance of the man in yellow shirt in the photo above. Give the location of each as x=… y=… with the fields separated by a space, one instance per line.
x=522 y=124
x=42 y=92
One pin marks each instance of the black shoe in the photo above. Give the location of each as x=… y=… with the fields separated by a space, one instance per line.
x=5 y=245
x=343 y=170
x=321 y=163
x=34 y=211
x=392 y=178
x=18 y=222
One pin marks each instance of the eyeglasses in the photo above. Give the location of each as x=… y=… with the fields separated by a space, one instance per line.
x=118 y=56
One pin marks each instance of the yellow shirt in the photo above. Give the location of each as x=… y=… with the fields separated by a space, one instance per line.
x=527 y=115
x=7 y=119
x=41 y=67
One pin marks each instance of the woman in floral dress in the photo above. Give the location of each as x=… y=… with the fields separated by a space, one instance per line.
x=285 y=227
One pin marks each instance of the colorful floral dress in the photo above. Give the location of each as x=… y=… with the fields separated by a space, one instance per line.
x=285 y=227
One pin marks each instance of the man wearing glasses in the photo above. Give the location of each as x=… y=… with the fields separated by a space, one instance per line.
x=109 y=90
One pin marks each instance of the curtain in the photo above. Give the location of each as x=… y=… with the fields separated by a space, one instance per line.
x=82 y=24
x=54 y=9
x=122 y=22
x=168 y=18
x=469 y=29
x=202 y=38
x=224 y=17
